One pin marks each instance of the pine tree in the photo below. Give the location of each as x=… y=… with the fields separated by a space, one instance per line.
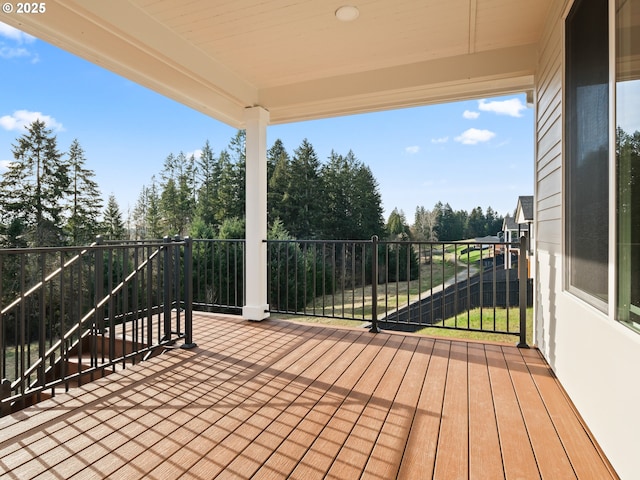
x=397 y=225
x=35 y=185
x=451 y=225
x=86 y=202
x=424 y=226
x=398 y=255
x=208 y=174
x=352 y=205
x=338 y=177
x=177 y=200
x=367 y=214
x=113 y=227
x=238 y=156
x=302 y=202
x=278 y=161
x=153 y=215
x=226 y=195
x=476 y=227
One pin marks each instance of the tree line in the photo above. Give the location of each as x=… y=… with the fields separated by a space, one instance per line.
x=50 y=198
x=205 y=197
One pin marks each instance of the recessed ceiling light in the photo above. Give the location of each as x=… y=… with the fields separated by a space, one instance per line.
x=347 y=13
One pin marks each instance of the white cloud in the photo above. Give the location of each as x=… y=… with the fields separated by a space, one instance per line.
x=4 y=165
x=15 y=48
x=11 y=52
x=440 y=140
x=412 y=149
x=14 y=34
x=474 y=136
x=196 y=154
x=469 y=115
x=22 y=118
x=512 y=107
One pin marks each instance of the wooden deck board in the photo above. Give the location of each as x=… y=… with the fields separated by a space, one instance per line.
x=550 y=456
x=357 y=447
x=517 y=455
x=452 y=454
x=485 y=456
x=384 y=461
x=284 y=400
x=585 y=456
x=420 y=451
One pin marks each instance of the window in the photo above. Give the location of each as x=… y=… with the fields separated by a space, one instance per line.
x=628 y=160
x=587 y=150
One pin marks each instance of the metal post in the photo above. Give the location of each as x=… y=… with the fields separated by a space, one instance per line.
x=166 y=281
x=374 y=286
x=188 y=293
x=5 y=392
x=98 y=316
x=522 y=283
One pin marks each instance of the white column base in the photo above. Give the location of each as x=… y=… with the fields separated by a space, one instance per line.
x=255 y=314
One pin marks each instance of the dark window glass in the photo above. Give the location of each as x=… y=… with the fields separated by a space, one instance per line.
x=587 y=146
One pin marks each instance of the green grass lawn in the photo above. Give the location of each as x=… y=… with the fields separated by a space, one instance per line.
x=473 y=320
x=358 y=302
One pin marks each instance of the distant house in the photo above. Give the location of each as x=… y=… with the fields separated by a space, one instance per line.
x=514 y=228
x=524 y=217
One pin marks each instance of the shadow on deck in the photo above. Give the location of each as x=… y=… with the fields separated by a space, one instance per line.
x=284 y=400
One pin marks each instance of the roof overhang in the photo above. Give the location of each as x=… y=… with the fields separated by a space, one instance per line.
x=192 y=52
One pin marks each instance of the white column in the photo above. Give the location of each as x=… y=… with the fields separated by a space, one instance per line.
x=256 y=307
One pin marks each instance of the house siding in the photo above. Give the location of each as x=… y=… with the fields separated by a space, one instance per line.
x=595 y=358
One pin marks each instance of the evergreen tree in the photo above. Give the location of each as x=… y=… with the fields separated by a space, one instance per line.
x=177 y=200
x=147 y=220
x=278 y=162
x=302 y=202
x=424 y=226
x=226 y=198
x=86 y=202
x=493 y=222
x=397 y=225
x=140 y=215
x=238 y=154
x=113 y=227
x=476 y=226
x=338 y=177
x=154 y=227
x=402 y=260
x=367 y=214
x=168 y=202
x=208 y=174
x=35 y=185
x=451 y=225
x=352 y=205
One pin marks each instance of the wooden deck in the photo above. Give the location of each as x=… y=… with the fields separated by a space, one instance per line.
x=283 y=400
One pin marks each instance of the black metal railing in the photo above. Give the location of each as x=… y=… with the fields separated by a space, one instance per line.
x=68 y=315
x=475 y=286
x=218 y=275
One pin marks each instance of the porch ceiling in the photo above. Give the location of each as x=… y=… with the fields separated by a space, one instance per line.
x=294 y=58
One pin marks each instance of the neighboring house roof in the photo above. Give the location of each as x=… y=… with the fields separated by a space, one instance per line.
x=524 y=211
x=509 y=223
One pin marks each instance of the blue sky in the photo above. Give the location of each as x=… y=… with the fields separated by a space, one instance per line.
x=472 y=153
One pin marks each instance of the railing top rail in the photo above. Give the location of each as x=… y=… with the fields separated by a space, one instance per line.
x=403 y=242
x=238 y=240
x=84 y=249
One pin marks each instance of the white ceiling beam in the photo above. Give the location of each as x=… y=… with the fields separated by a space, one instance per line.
x=448 y=79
